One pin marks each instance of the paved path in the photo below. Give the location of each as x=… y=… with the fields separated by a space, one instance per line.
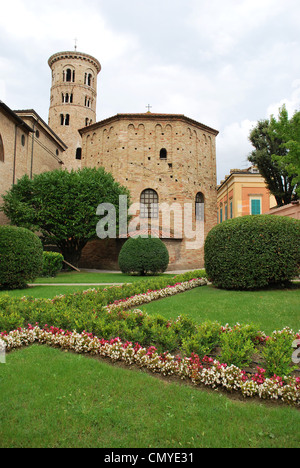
x=77 y=284
x=179 y=272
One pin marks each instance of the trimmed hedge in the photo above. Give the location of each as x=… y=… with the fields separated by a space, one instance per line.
x=253 y=252
x=21 y=257
x=144 y=256
x=53 y=263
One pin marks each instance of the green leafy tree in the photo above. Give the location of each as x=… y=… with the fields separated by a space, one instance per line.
x=61 y=206
x=268 y=142
x=289 y=131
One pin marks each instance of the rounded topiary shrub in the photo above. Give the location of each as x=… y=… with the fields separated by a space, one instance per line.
x=144 y=256
x=253 y=252
x=21 y=257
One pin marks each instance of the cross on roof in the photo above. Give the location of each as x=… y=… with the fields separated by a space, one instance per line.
x=148 y=107
x=76 y=40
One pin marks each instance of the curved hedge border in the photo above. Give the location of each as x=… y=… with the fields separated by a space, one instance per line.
x=102 y=313
x=12 y=310
x=150 y=295
x=207 y=371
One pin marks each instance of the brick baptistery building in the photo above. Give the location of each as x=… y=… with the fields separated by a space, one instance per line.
x=163 y=159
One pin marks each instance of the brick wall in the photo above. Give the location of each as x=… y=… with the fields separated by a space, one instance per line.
x=129 y=147
x=20 y=156
x=84 y=99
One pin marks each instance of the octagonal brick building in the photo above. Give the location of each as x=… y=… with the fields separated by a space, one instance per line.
x=163 y=159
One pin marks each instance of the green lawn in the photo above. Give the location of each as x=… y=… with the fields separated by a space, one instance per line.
x=88 y=278
x=268 y=309
x=69 y=282
x=49 y=398
x=47 y=292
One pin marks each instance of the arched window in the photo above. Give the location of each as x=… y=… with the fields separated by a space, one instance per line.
x=69 y=75
x=78 y=153
x=163 y=153
x=64 y=119
x=149 y=204
x=87 y=101
x=88 y=79
x=200 y=205
x=1 y=150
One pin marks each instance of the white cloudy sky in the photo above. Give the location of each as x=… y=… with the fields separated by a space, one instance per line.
x=225 y=63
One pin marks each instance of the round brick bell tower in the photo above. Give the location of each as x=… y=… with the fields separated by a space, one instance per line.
x=73 y=100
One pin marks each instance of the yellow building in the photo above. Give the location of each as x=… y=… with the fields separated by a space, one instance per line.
x=243 y=192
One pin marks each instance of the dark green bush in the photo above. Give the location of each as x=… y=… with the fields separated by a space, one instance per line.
x=237 y=348
x=21 y=257
x=53 y=263
x=253 y=252
x=204 y=340
x=144 y=256
x=277 y=354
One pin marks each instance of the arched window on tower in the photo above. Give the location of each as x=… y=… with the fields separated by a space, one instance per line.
x=87 y=101
x=67 y=98
x=200 y=207
x=65 y=119
x=1 y=150
x=149 y=204
x=69 y=75
x=163 y=153
x=88 y=79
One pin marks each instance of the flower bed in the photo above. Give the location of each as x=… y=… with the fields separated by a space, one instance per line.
x=78 y=310
x=206 y=371
x=150 y=295
x=97 y=316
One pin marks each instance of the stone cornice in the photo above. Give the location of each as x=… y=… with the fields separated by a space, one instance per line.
x=150 y=116
x=74 y=55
